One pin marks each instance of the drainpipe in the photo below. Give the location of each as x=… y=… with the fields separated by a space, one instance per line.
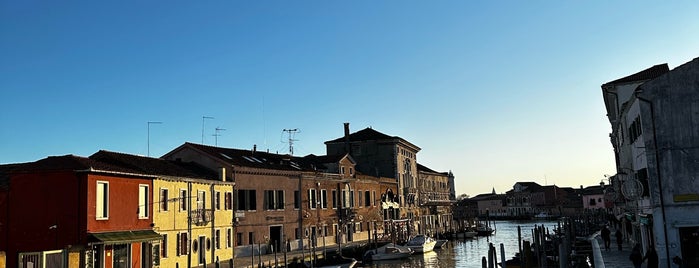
x=300 y=231
x=657 y=170
x=189 y=224
x=213 y=218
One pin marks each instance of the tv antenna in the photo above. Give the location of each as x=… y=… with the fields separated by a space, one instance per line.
x=216 y=134
x=202 y=127
x=291 y=139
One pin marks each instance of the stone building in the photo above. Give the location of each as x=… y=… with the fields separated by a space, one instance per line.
x=653 y=118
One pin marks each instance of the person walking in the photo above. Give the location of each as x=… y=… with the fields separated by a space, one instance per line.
x=619 y=238
x=636 y=257
x=606 y=236
x=652 y=257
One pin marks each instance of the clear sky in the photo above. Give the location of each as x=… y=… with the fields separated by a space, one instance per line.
x=495 y=91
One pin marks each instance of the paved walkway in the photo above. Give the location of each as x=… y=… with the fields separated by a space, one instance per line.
x=612 y=257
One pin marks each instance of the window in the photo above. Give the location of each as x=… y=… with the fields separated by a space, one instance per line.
x=351 y=171
x=201 y=200
x=238 y=239
x=344 y=199
x=183 y=200
x=217 y=239
x=312 y=198
x=324 y=198
x=342 y=170
x=361 y=201
x=274 y=199
x=102 y=200
x=142 y=201
x=250 y=238
x=228 y=237
x=247 y=200
x=217 y=201
x=227 y=201
x=334 y=195
x=297 y=200
x=163 y=200
x=351 y=198
x=182 y=243
x=163 y=246
x=367 y=198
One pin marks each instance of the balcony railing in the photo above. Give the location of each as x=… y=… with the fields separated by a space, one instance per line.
x=202 y=216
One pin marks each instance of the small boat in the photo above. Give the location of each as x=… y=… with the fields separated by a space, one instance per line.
x=484 y=230
x=466 y=234
x=544 y=216
x=440 y=243
x=351 y=263
x=421 y=244
x=389 y=251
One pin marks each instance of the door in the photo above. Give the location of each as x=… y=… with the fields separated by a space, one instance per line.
x=275 y=235
x=121 y=256
x=202 y=250
x=146 y=255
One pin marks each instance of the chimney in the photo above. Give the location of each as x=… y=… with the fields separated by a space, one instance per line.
x=254 y=148
x=222 y=173
x=347 y=141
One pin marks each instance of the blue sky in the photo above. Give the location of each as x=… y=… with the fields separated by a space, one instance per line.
x=495 y=91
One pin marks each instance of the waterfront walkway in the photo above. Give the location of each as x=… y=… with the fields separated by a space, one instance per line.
x=613 y=257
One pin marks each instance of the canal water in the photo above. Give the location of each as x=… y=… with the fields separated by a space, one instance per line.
x=469 y=252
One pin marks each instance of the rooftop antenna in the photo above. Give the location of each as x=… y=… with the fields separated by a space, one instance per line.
x=150 y=123
x=216 y=134
x=291 y=139
x=202 y=127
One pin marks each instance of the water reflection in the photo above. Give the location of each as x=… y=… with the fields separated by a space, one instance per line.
x=469 y=252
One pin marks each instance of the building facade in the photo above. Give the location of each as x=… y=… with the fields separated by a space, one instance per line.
x=655 y=140
x=92 y=214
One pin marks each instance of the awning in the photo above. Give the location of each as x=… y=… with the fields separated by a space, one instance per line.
x=123 y=237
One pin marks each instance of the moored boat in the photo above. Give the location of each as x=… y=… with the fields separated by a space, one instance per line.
x=440 y=243
x=389 y=251
x=421 y=244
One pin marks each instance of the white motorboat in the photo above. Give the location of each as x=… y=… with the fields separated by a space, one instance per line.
x=389 y=251
x=421 y=244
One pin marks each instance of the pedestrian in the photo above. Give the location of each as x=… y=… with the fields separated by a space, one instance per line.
x=606 y=236
x=652 y=257
x=619 y=238
x=636 y=257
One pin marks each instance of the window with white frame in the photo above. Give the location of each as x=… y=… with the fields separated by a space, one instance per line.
x=324 y=198
x=183 y=200
x=142 y=201
x=102 y=200
x=227 y=201
x=217 y=239
x=163 y=247
x=312 y=198
x=228 y=237
x=163 y=199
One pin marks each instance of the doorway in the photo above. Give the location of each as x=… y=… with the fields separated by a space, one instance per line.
x=202 y=250
x=690 y=245
x=276 y=237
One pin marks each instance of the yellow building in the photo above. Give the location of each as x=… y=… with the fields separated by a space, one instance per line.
x=208 y=237
x=192 y=209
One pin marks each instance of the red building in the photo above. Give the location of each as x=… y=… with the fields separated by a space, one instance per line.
x=70 y=211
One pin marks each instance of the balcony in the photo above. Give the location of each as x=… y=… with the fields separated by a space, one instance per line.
x=202 y=216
